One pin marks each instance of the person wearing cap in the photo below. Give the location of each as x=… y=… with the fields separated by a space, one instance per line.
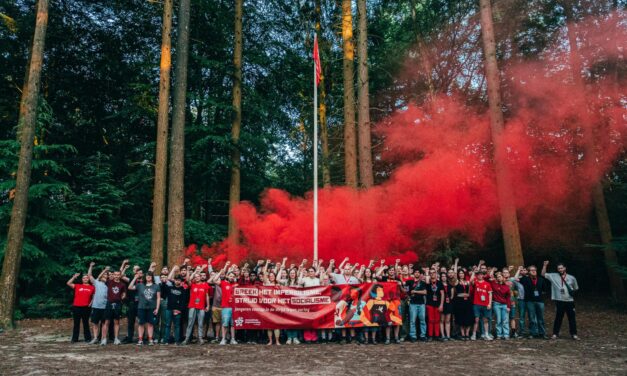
x=174 y=291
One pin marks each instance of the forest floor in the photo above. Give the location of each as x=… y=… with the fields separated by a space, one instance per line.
x=42 y=347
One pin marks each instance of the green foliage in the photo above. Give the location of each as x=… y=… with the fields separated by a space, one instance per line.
x=93 y=166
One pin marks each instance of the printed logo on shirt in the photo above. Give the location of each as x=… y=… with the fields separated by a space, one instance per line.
x=148 y=294
x=115 y=290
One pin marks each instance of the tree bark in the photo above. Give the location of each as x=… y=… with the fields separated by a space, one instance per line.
x=598 y=196
x=366 y=177
x=161 y=155
x=176 y=199
x=509 y=219
x=26 y=132
x=235 y=187
x=350 y=142
x=322 y=105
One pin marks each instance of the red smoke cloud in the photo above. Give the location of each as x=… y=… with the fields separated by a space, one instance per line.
x=559 y=140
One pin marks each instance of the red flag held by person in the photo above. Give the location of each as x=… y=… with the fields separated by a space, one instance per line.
x=316 y=57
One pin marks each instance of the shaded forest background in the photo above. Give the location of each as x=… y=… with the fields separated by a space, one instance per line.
x=93 y=167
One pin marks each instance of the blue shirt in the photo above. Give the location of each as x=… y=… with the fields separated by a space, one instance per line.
x=100 y=295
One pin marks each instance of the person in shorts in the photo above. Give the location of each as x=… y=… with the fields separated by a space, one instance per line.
x=149 y=294
x=99 y=302
x=482 y=305
x=116 y=292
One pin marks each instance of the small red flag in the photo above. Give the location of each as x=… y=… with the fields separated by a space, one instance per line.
x=316 y=58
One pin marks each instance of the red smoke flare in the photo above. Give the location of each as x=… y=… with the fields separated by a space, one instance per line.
x=559 y=140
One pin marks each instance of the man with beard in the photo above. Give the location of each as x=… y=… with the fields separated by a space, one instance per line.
x=563 y=286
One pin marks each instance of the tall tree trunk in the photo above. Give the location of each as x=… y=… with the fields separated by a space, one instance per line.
x=176 y=188
x=598 y=196
x=509 y=220
x=322 y=105
x=350 y=142
x=363 y=115
x=26 y=132
x=161 y=157
x=235 y=188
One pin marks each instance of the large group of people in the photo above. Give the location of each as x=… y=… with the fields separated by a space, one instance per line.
x=436 y=303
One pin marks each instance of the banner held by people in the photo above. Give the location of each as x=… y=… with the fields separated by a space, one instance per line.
x=323 y=307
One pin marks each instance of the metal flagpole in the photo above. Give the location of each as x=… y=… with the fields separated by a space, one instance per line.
x=315 y=162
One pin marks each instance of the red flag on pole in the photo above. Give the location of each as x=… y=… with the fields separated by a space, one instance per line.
x=316 y=57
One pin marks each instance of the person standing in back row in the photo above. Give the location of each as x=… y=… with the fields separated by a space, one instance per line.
x=563 y=286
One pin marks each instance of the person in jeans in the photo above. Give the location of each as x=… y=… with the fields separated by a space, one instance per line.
x=174 y=291
x=519 y=291
x=198 y=305
x=83 y=294
x=534 y=287
x=563 y=286
x=417 y=298
x=133 y=301
x=501 y=294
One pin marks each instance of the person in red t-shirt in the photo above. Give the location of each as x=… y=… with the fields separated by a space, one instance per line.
x=226 y=286
x=81 y=307
x=198 y=305
x=482 y=304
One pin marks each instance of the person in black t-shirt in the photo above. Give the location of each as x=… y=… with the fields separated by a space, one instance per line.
x=175 y=293
x=417 y=289
x=534 y=286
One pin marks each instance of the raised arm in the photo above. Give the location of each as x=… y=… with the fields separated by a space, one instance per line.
x=544 y=265
x=90 y=270
x=70 y=282
x=342 y=263
x=106 y=269
x=132 y=286
x=124 y=264
x=455 y=266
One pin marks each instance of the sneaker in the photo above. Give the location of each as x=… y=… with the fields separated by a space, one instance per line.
x=397 y=341
x=201 y=342
x=103 y=342
x=127 y=340
x=296 y=341
x=575 y=337
x=473 y=337
x=554 y=336
x=545 y=336
x=223 y=342
x=185 y=342
x=117 y=342
x=151 y=342
x=140 y=342
x=233 y=341
x=488 y=338
x=387 y=341
x=289 y=341
x=412 y=340
x=93 y=341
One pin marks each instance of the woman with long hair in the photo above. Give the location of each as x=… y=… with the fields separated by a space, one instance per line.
x=447 y=308
x=149 y=295
x=270 y=280
x=83 y=294
x=292 y=281
x=462 y=305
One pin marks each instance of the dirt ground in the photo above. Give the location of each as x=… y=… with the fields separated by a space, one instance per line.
x=42 y=347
